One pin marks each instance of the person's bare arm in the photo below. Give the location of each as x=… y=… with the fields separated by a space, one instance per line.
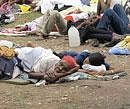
x=91 y=72
x=21 y=28
x=60 y=75
x=129 y=25
x=113 y=71
x=98 y=8
x=36 y=75
x=102 y=73
x=102 y=5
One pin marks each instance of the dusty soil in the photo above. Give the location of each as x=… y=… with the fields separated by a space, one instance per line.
x=82 y=94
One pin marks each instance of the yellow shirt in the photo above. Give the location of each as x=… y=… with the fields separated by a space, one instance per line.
x=125 y=43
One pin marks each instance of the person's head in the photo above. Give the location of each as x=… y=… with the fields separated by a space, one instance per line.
x=95 y=59
x=65 y=64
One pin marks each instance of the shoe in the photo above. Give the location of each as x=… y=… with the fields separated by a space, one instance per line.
x=45 y=36
x=92 y=42
x=95 y=43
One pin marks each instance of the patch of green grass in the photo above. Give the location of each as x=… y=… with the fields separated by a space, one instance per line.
x=23 y=18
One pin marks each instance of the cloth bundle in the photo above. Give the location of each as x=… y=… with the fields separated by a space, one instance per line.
x=6 y=52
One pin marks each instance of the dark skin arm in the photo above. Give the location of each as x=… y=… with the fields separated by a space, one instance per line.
x=102 y=5
x=36 y=75
x=102 y=73
x=88 y=21
x=60 y=75
x=91 y=72
x=55 y=77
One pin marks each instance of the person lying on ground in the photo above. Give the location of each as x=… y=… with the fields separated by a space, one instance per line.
x=40 y=63
x=91 y=29
x=95 y=65
x=113 y=18
x=95 y=59
x=64 y=67
x=45 y=24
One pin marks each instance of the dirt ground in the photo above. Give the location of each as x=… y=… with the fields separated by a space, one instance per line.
x=81 y=94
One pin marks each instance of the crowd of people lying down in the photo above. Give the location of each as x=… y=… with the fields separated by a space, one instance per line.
x=101 y=26
x=110 y=25
x=37 y=63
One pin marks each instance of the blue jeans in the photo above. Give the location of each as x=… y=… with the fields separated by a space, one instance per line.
x=116 y=18
x=119 y=51
x=85 y=2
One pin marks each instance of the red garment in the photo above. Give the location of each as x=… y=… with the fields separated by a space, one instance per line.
x=70 y=61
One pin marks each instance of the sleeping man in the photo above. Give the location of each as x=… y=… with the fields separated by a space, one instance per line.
x=41 y=64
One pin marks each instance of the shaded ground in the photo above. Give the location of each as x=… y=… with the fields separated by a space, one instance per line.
x=83 y=94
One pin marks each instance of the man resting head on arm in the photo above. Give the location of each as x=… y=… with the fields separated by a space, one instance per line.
x=64 y=67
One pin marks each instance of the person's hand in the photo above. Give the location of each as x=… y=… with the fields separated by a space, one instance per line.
x=99 y=16
x=128 y=25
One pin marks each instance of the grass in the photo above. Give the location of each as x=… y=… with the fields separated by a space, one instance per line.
x=23 y=18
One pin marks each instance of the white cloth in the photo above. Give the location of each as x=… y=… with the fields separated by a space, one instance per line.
x=45 y=63
x=76 y=17
x=50 y=4
x=94 y=68
x=6 y=43
x=30 y=56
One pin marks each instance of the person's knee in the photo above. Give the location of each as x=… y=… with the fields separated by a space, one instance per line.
x=55 y=14
x=117 y=6
x=108 y=12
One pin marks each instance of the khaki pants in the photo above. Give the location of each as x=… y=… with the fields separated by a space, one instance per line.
x=51 y=18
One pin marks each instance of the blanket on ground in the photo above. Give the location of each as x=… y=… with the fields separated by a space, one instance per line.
x=12 y=32
x=81 y=75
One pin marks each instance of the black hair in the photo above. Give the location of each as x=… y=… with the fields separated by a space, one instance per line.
x=96 y=59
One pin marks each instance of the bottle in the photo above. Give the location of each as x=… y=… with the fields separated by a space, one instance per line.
x=73 y=34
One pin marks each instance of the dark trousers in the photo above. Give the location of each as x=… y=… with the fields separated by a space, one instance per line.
x=94 y=33
x=115 y=18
